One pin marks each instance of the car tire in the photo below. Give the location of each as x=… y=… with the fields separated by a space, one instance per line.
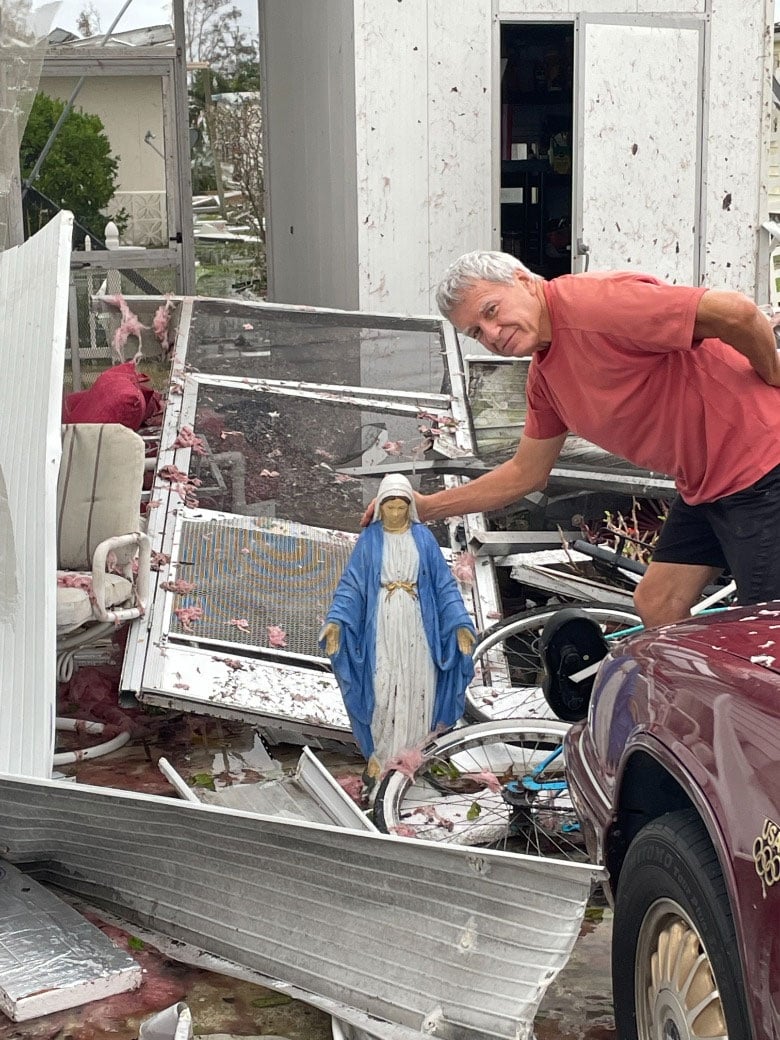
x=671 y=907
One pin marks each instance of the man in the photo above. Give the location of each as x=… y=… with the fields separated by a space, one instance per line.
x=679 y=380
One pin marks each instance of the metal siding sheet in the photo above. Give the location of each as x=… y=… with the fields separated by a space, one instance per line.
x=310 y=152
x=392 y=59
x=411 y=932
x=33 y=316
x=461 y=154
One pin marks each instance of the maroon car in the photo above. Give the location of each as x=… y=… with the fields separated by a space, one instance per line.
x=675 y=775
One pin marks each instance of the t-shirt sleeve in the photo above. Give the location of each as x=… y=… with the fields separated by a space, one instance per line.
x=541 y=420
x=635 y=310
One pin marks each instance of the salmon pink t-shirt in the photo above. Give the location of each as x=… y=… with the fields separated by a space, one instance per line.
x=623 y=371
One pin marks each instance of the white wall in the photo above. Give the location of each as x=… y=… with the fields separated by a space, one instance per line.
x=738 y=145
x=128 y=106
x=424 y=120
x=310 y=151
x=425 y=107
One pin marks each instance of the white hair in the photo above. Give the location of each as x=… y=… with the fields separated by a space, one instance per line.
x=482 y=265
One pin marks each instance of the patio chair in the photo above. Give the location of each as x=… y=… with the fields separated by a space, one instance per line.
x=103 y=556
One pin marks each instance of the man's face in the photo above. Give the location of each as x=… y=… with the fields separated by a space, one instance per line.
x=507 y=319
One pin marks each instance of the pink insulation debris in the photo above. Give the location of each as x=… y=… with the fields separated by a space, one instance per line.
x=463 y=568
x=76 y=581
x=129 y=325
x=184 y=485
x=187 y=615
x=180 y=587
x=403 y=830
x=277 y=636
x=407 y=761
x=188 y=439
x=353 y=786
x=490 y=780
x=161 y=324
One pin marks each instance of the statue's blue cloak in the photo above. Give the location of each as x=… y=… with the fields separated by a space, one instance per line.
x=443 y=613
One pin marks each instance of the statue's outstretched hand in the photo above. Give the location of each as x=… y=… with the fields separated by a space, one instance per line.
x=331 y=635
x=466 y=640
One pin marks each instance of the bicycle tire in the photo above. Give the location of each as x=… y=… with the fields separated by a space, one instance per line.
x=461 y=804
x=508 y=683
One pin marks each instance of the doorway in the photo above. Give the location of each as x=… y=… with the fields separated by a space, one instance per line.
x=537 y=119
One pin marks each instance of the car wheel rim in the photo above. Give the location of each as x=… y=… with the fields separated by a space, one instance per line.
x=677 y=996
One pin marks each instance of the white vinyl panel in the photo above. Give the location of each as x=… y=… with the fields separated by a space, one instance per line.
x=310 y=152
x=738 y=142
x=392 y=57
x=33 y=315
x=461 y=150
x=637 y=162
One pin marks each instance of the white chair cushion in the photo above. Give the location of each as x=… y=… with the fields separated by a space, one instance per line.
x=74 y=607
x=99 y=489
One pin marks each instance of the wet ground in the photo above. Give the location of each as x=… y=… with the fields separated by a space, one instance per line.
x=577 y=1005
x=215 y=753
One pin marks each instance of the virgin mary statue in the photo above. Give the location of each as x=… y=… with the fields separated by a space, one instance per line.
x=398 y=633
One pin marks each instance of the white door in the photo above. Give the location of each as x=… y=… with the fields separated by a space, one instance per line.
x=639 y=156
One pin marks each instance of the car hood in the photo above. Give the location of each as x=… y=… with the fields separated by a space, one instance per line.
x=751 y=634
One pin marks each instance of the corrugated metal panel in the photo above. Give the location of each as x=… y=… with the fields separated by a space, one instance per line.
x=33 y=315
x=457 y=943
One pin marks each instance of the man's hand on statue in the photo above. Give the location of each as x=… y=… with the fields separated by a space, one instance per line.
x=466 y=640
x=332 y=636
x=368 y=516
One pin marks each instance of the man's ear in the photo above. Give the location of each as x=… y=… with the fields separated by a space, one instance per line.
x=522 y=276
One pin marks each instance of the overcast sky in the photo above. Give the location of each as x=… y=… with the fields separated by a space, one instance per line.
x=140 y=13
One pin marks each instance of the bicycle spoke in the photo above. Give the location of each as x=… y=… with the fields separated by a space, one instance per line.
x=508 y=663
x=469 y=790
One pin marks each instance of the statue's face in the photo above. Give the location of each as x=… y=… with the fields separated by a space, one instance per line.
x=394 y=513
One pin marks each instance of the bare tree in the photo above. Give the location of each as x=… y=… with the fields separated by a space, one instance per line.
x=88 y=21
x=15 y=21
x=240 y=126
x=214 y=35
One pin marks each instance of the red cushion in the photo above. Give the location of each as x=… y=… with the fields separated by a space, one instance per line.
x=119 y=395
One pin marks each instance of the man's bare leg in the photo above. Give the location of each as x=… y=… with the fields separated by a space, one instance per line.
x=667 y=591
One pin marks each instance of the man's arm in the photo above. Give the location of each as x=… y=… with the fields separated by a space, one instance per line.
x=526 y=471
x=733 y=318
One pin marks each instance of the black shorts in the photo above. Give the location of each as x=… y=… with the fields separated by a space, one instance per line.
x=739 y=533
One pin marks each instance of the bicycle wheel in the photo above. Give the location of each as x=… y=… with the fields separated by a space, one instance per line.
x=500 y=784
x=508 y=664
